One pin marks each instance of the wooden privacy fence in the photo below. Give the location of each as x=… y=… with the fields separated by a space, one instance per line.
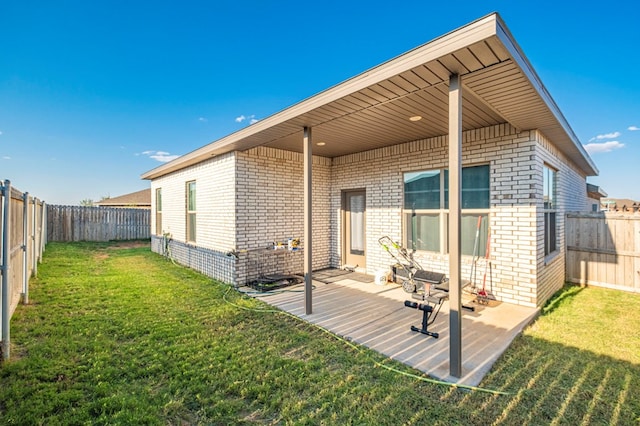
x=603 y=249
x=73 y=223
x=23 y=223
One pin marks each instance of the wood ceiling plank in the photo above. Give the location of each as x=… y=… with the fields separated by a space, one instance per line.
x=414 y=79
x=489 y=81
x=469 y=60
x=484 y=54
x=441 y=71
x=357 y=99
x=427 y=75
x=500 y=87
x=514 y=95
x=497 y=48
x=404 y=84
x=453 y=65
x=425 y=108
x=435 y=100
x=398 y=90
x=371 y=96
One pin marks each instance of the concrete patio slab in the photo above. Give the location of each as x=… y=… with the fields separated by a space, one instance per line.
x=352 y=306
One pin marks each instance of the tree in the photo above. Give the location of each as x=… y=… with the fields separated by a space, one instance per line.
x=87 y=202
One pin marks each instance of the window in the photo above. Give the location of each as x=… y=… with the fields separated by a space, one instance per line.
x=426 y=209
x=549 y=209
x=191 y=211
x=158 y=211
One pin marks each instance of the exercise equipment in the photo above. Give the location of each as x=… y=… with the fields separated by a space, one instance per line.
x=429 y=287
x=428 y=317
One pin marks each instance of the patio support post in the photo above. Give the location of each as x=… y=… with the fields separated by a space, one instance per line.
x=455 y=190
x=307 y=140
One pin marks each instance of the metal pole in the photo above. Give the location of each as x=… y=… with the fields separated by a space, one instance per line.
x=25 y=242
x=34 y=239
x=308 y=280
x=455 y=190
x=6 y=265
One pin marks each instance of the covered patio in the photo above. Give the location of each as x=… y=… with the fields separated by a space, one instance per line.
x=352 y=306
x=463 y=91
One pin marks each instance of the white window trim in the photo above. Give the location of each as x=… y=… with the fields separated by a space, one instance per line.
x=551 y=255
x=188 y=237
x=158 y=208
x=442 y=212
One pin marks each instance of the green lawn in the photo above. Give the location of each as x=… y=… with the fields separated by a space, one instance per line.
x=123 y=336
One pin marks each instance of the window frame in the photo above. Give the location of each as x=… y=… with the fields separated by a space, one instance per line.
x=442 y=214
x=550 y=210
x=158 y=205
x=190 y=213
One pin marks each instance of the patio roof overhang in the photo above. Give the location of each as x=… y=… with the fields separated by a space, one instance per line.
x=473 y=77
x=372 y=110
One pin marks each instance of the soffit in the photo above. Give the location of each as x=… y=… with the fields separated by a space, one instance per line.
x=372 y=110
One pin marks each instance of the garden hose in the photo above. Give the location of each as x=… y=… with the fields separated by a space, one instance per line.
x=359 y=349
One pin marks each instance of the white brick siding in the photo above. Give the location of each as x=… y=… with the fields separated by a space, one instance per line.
x=269 y=205
x=215 y=215
x=247 y=200
x=516 y=160
x=215 y=202
x=571 y=195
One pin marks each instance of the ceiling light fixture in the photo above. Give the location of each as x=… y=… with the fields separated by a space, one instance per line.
x=321 y=143
x=415 y=118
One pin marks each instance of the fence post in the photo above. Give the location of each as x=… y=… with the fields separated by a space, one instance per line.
x=6 y=265
x=44 y=230
x=34 y=238
x=25 y=242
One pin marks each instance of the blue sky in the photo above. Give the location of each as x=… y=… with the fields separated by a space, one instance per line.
x=95 y=93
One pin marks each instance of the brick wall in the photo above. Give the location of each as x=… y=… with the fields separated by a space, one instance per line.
x=215 y=217
x=571 y=197
x=215 y=202
x=248 y=200
x=270 y=207
x=516 y=160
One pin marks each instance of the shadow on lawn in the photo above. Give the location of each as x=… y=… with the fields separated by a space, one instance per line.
x=568 y=292
x=552 y=383
x=556 y=384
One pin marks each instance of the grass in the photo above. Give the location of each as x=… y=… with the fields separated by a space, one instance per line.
x=119 y=335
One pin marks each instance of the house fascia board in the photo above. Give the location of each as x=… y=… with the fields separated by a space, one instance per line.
x=469 y=34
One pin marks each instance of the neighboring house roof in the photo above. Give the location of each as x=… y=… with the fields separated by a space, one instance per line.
x=134 y=199
x=372 y=110
x=619 y=204
x=595 y=192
